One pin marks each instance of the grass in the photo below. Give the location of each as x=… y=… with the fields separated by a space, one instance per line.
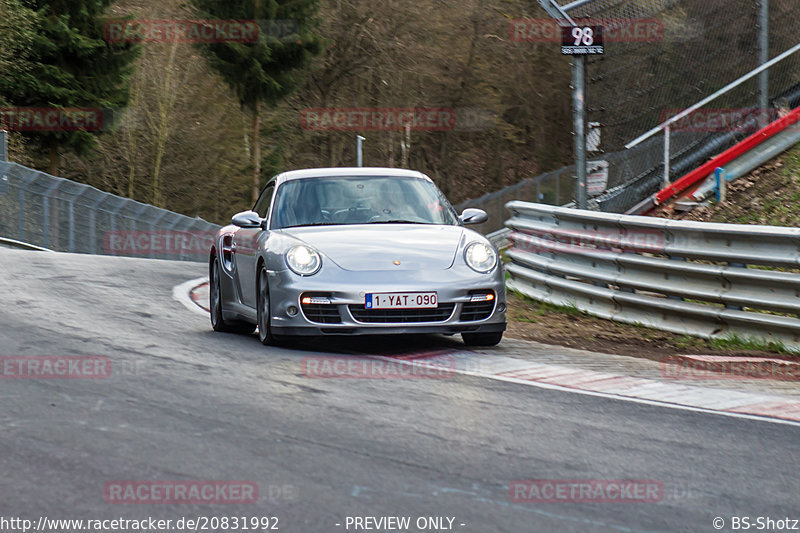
x=570 y=308
x=687 y=341
x=736 y=342
x=644 y=332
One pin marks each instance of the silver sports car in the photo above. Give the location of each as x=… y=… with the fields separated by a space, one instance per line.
x=354 y=251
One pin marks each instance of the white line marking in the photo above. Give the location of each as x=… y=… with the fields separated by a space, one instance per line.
x=182 y=293
x=643 y=401
x=694 y=399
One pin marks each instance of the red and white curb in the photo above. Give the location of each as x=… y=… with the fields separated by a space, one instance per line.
x=721 y=401
x=194 y=295
x=188 y=295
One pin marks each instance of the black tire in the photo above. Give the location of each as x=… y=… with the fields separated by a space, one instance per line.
x=218 y=322
x=263 y=308
x=482 y=339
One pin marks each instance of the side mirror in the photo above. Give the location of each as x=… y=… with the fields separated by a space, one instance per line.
x=246 y=219
x=473 y=216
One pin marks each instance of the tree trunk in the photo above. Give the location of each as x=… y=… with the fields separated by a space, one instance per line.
x=52 y=164
x=256 y=150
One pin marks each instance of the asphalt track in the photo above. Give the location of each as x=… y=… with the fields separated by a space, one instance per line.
x=185 y=403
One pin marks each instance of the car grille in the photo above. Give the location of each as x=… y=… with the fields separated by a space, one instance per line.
x=472 y=311
x=322 y=313
x=476 y=311
x=382 y=316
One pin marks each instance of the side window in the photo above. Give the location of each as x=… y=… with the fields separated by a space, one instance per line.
x=264 y=201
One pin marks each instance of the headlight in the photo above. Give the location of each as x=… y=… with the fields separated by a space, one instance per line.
x=480 y=257
x=303 y=260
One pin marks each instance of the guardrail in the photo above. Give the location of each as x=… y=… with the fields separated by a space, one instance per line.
x=705 y=279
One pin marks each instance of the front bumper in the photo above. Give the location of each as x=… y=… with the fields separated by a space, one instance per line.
x=346 y=289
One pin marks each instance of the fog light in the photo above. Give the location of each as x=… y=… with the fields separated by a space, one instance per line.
x=501 y=308
x=291 y=310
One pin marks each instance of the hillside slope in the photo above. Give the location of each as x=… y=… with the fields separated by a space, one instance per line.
x=769 y=195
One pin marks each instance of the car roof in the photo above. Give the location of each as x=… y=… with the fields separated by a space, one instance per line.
x=348 y=172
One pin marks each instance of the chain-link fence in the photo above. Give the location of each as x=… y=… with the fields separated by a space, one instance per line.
x=701 y=47
x=553 y=188
x=66 y=216
x=661 y=57
x=557 y=187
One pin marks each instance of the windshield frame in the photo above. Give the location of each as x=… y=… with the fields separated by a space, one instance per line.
x=450 y=211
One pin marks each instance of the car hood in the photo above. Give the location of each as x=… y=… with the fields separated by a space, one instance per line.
x=379 y=246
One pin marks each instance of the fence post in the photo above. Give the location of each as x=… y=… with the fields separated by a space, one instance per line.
x=113 y=216
x=21 y=200
x=153 y=227
x=72 y=220
x=46 y=210
x=3 y=146
x=667 y=131
x=763 y=57
x=93 y=225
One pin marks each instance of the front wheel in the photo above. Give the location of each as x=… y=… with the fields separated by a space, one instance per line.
x=218 y=321
x=482 y=339
x=263 y=308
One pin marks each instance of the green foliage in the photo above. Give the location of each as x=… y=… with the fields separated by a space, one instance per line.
x=264 y=71
x=69 y=65
x=733 y=341
x=16 y=39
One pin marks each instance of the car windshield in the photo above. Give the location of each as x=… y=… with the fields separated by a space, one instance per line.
x=345 y=200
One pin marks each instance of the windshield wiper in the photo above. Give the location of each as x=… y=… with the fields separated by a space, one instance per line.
x=313 y=224
x=398 y=221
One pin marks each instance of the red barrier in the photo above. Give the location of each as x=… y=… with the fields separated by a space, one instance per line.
x=726 y=157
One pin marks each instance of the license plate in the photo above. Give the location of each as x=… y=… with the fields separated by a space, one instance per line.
x=401 y=300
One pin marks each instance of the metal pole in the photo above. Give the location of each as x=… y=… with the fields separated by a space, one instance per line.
x=3 y=146
x=558 y=192
x=763 y=57
x=666 y=156
x=580 y=137
x=359 y=150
